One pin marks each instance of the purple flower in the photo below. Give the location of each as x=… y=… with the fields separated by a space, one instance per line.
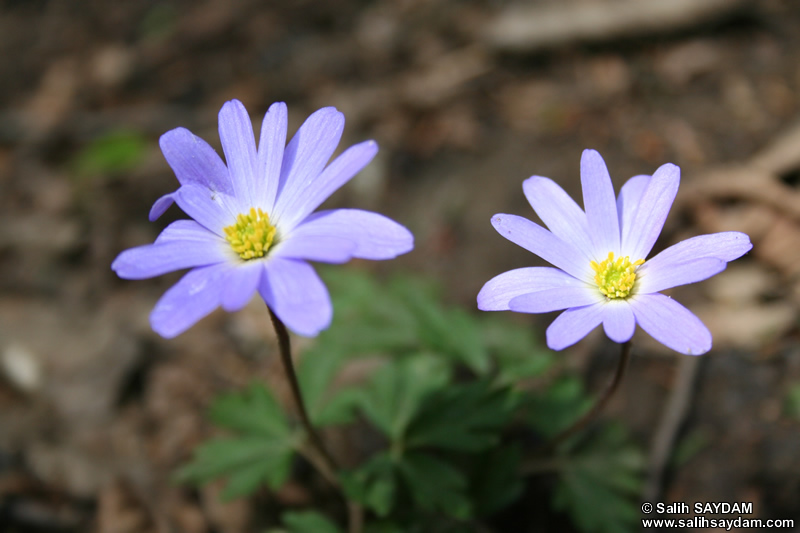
x=601 y=274
x=254 y=228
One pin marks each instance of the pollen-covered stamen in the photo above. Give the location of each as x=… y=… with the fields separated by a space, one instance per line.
x=615 y=279
x=252 y=235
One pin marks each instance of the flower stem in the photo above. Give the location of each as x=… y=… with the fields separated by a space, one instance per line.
x=583 y=421
x=325 y=462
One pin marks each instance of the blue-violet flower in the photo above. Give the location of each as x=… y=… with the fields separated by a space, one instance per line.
x=253 y=228
x=601 y=274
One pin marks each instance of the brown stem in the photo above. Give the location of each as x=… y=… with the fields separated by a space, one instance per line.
x=355 y=517
x=324 y=462
x=597 y=407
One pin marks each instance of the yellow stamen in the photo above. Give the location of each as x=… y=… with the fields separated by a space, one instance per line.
x=252 y=235
x=615 y=279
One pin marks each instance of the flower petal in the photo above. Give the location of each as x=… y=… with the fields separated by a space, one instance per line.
x=159 y=258
x=313 y=246
x=196 y=294
x=639 y=236
x=239 y=145
x=214 y=210
x=618 y=320
x=541 y=242
x=304 y=158
x=600 y=203
x=629 y=197
x=573 y=324
x=339 y=172
x=559 y=212
x=297 y=295
x=659 y=278
x=500 y=290
x=555 y=299
x=187 y=230
x=270 y=155
x=240 y=284
x=194 y=161
x=671 y=324
x=160 y=206
x=727 y=245
x=373 y=236
x=691 y=260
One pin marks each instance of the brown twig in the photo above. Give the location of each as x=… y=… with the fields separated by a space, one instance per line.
x=675 y=413
x=533 y=26
x=320 y=456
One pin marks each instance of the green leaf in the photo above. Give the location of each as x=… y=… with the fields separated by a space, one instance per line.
x=558 y=406
x=689 y=446
x=315 y=372
x=273 y=470
x=385 y=527
x=252 y=411
x=246 y=461
x=450 y=332
x=462 y=417
x=114 y=153
x=599 y=486
x=373 y=484
x=397 y=389
x=339 y=409
x=792 y=403
x=368 y=318
x=260 y=451
x=518 y=353
x=495 y=480
x=402 y=316
x=465 y=341
x=435 y=484
x=308 y=522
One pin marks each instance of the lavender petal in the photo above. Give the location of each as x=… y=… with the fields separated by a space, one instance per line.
x=194 y=161
x=727 y=246
x=628 y=200
x=294 y=208
x=559 y=212
x=671 y=324
x=665 y=276
x=239 y=145
x=555 y=299
x=270 y=155
x=541 y=242
x=618 y=320
x=240 y=284
x=196 y=294
x=160 y=206
x=573 y=324
x=156 y=259
x=373 y=235
x=639 y=236
x=311 y=246
x=214 y=211
x=297 y=295
x=600 y=203
x=304 y=159
x=500 y=290
x=187 y=230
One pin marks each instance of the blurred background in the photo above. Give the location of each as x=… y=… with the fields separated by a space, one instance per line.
x=466 y=99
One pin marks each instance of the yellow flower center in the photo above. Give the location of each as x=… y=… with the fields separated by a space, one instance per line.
x=615 y=279
x=252 y=235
